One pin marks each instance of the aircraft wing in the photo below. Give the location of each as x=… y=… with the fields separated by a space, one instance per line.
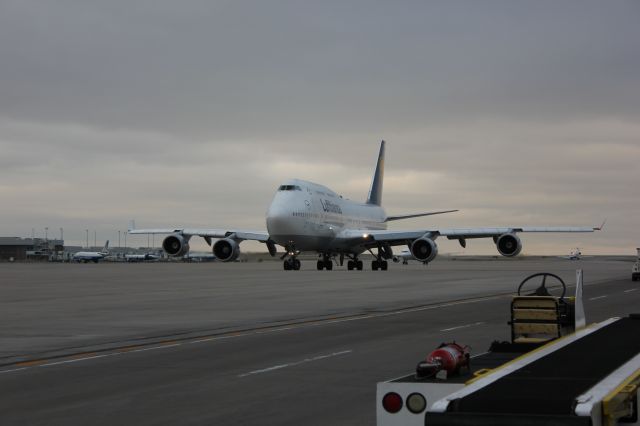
x=240 y=234
x=371 y=238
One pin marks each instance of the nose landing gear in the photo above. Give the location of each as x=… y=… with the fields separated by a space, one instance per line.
x=291 y=263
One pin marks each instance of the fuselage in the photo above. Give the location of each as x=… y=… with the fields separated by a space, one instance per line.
x=307 y=216
x=88 y=255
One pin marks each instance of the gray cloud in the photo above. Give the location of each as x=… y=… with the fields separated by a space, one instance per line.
x=192 y=113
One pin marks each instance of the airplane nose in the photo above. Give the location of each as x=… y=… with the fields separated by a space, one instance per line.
x=278 y=221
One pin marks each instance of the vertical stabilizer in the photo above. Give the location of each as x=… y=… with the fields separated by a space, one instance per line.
x=105 y=249
x=375 y=192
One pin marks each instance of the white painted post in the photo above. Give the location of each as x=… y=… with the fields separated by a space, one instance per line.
x=580 y=318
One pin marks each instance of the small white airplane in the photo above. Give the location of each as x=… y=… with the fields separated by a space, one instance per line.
x=308 y=217
x=92 y=256
x=575 y=254
x=141 y=257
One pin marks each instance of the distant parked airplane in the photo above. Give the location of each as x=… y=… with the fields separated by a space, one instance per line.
x=92 y=256
x=141 y=257
x=405 y=256
x=575 y=254
x=305 y=216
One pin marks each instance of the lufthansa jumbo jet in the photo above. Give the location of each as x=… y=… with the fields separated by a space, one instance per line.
x=308 y=217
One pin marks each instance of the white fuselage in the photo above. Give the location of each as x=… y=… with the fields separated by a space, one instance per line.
x=575 y=254
x=88 y=256
x=306 y=216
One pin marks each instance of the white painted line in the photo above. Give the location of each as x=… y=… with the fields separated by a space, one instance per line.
x=154 y=348
x=630 y=290
x=265 y=370
x=293 y=364
x=15 y=369
x=201 y=341
x=69 y=361
x=463 y=326
x=598 y=297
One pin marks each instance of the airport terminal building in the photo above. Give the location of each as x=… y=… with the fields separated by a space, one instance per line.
x=16 y=248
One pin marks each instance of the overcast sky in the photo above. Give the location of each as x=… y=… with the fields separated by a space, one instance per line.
x=191 y=113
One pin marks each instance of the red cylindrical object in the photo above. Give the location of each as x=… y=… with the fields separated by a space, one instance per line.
x=450 y=357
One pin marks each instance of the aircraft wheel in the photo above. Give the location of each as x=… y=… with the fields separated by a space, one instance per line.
x=359 y=265
x=320 y=265
x=287 y=265
x=374 y=265
x=296 y=265
x=328 y=265
x=350 y=265
x=384 y=265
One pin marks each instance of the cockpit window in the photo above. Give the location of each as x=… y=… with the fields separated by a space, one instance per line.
x=289 y=188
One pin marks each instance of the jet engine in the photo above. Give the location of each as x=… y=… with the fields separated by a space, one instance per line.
x=424 y=249
x=176 y=245
x=508 y=245
x=226 y=250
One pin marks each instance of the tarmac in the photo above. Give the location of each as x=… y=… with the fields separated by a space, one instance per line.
x=249 y=343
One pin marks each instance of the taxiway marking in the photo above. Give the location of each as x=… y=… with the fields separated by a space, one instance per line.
x=73 y=358
x=598 y=297
x=293 y=364
x=463 y=326
x=630 y=290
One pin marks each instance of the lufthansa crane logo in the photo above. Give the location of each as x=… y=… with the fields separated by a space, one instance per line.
x=330 y=207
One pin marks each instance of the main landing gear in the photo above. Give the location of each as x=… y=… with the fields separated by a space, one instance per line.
x=384 y=252
x=325 y=263
x=383 y=265
x=355 y=264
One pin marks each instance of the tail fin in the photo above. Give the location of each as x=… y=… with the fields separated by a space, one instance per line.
x=375 y=192
x=105 y=249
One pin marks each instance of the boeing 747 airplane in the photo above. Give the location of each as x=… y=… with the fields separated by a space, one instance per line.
x=308 y=217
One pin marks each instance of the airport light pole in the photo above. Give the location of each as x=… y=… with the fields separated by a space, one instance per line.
x=94 y=238
x=87 y=231
x=46 y=233
x=125 y=241
x=118 y=239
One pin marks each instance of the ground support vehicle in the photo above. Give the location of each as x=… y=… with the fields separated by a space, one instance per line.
x=554 y=371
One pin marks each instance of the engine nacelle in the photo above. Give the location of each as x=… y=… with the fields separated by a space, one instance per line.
x=176 y=245
x=509 y=245
x=424 y=249
x=226 y=250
